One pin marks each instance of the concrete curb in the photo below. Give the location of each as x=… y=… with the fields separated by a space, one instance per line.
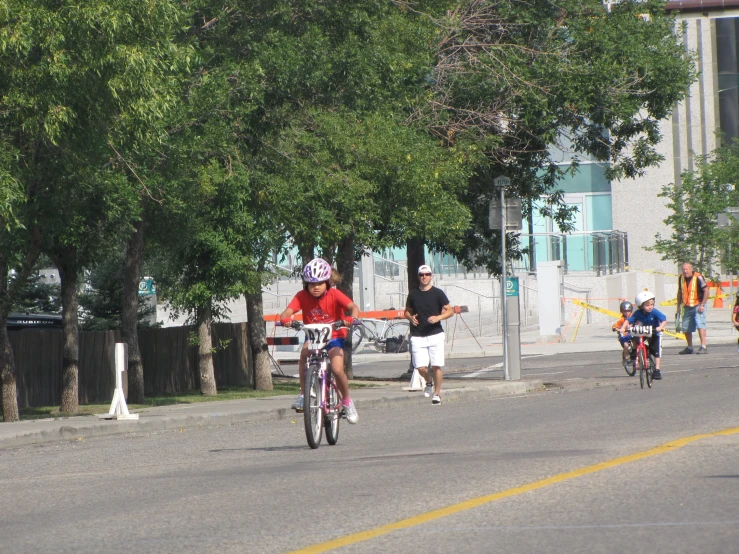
x=70 y=429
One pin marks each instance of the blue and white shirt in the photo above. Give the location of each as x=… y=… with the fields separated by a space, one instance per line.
x=651 y=319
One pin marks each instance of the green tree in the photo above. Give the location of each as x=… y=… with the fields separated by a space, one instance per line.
x=76 y=78
x=101 y=299
x=512 y=79
x=696 y=203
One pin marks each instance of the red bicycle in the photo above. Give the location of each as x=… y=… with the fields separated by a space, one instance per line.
x=644 y=362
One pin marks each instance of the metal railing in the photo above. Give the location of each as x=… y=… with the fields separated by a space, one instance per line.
x=601 y=252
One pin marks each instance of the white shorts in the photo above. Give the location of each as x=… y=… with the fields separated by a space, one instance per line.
x=428 y=351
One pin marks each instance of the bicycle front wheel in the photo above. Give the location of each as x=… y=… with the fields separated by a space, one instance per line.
x=357 y=337
x=642 y=366
x=313 y=413
x=333 y=413
x=629 y=367
x=650 y=371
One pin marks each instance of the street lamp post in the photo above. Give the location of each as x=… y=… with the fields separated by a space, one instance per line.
x=502 y=182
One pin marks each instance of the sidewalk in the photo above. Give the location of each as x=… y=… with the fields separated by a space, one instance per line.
x=589 y=338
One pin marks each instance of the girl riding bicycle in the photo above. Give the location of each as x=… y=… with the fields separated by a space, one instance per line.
x=321 y=303
x=647 y=316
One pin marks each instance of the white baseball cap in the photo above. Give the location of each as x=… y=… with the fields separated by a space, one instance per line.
x=424 y=269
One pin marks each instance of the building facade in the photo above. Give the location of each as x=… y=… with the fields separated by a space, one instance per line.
x=710 y=32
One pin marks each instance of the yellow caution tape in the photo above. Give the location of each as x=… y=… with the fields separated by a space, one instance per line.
x=618 y=315
x=655 y=272
x=673 y=302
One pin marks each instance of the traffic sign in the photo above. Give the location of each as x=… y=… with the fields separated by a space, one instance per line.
x=511 y=286
x=147 y=287
x=512 y=214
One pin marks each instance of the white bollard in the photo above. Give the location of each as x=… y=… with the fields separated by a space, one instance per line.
x=118 y=408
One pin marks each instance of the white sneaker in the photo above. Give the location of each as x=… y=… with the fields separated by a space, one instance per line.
x=298 y=404
x=436 y=400
x=351 y=413
x=429 y=390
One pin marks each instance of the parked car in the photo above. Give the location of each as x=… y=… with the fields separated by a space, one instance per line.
x=19 y=322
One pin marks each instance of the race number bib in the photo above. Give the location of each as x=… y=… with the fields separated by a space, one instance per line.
x=318 y=335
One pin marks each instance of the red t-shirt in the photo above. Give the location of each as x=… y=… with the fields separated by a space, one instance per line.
x=328 y=308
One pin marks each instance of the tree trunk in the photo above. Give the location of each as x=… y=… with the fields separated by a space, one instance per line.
x=345 y=266
x=7 y=366
x=307 y=253
x=129 y=317
x=204 y=318
x=8 y=293
x=7 y=363
x=258 y=341
x=416 y=258
x=66 y=262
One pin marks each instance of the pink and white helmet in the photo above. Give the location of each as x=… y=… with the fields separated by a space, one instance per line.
x=316 y=271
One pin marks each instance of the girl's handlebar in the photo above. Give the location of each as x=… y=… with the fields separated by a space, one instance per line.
x=298 y=325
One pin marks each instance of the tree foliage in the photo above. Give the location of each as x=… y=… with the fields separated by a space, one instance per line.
x=512 y=79
x=696 y=203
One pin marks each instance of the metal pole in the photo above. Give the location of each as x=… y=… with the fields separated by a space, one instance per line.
x=503 y=274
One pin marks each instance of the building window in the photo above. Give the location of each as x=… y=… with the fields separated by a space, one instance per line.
x=727 y=33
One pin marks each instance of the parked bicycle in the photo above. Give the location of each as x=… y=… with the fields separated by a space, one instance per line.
x=380 y=332
x=644 y=362
x=322 y=409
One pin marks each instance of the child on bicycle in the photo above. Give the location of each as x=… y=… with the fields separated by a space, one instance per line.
x=322 y=303
x=626 y=308
x=646 y=315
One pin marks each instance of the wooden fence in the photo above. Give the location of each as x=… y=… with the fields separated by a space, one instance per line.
x=170 y=362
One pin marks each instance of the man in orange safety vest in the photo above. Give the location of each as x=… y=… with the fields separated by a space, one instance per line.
x=692 y=295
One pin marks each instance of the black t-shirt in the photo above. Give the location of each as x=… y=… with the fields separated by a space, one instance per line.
x=425 y=304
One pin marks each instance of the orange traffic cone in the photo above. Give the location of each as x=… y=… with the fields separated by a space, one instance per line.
x=718 y=302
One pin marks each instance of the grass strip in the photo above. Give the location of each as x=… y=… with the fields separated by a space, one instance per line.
x=190 y=397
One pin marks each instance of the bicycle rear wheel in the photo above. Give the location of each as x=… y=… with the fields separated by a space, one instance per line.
x=313 y=414
x=333 y=413
x=641 y=366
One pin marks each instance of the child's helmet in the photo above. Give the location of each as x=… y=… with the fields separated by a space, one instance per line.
x=317 y=271
x=643 y=296
x=626 y=306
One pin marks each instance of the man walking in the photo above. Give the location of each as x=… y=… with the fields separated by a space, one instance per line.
x=425 y=308
x=692 y=295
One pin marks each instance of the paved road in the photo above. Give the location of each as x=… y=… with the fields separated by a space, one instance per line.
x=515 y=474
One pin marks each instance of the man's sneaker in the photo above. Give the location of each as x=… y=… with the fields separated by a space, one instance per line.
x=626 y=364
x=688 y=350
x=429 y=390
x=351 y=413
x=298 y=404
x=436 y=399
x=657 y=375
x=702 y=350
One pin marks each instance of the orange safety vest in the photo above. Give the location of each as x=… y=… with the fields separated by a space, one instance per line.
x=690 y=293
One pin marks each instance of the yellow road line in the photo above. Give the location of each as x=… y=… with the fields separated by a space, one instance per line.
x=482 y=500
